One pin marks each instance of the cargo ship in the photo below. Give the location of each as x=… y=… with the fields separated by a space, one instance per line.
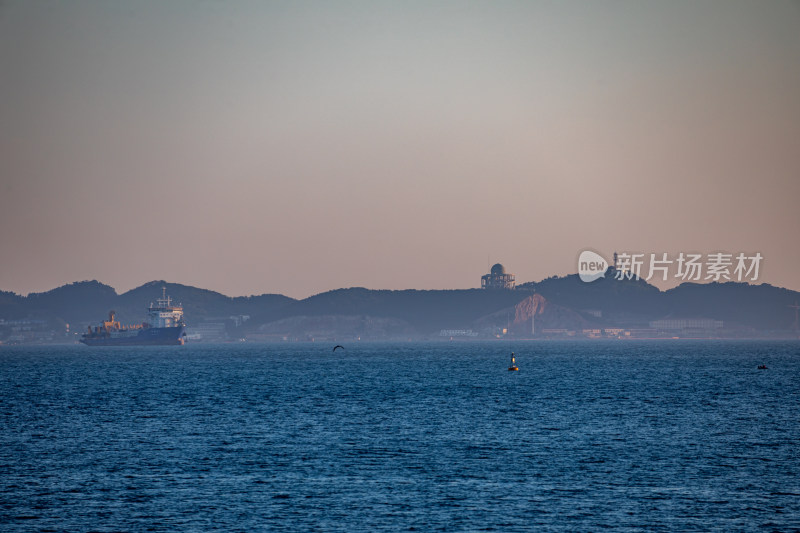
x=165 y=326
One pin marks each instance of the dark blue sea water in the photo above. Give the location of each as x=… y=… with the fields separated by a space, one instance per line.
x=587 y=436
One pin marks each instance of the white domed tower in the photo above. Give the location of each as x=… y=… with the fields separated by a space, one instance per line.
x=497 y=278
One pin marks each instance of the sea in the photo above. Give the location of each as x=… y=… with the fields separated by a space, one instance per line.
x=668 y=435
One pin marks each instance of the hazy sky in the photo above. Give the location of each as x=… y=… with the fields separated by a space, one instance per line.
x=297 y=147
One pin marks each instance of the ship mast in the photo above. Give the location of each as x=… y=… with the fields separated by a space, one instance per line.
x=165 y=300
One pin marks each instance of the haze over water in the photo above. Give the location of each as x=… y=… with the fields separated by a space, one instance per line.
x=622 y=436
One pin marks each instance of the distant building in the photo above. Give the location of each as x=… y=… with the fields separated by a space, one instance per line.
x=497 y=278
x=458 y=333
x=687 y=323
x=209 y=330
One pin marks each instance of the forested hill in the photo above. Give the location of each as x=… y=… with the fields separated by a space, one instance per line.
x=605 y=302
x=761 y=307
x=89 y=302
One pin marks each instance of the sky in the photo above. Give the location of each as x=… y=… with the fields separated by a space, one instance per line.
x=253 y=147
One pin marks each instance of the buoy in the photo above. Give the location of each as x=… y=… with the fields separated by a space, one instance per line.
x=513 y=367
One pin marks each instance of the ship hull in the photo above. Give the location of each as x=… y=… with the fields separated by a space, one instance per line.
x=143 y=337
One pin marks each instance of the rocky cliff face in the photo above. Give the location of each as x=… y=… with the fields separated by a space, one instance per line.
x=546 y=314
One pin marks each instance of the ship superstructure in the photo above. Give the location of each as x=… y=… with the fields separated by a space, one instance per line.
x=163 y=314
x=165 y=326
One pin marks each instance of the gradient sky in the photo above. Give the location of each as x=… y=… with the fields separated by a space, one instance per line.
x=297 y=147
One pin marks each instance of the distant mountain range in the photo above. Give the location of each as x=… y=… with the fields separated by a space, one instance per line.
x=636 y=302
x=88 y=302
x=557 y=305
